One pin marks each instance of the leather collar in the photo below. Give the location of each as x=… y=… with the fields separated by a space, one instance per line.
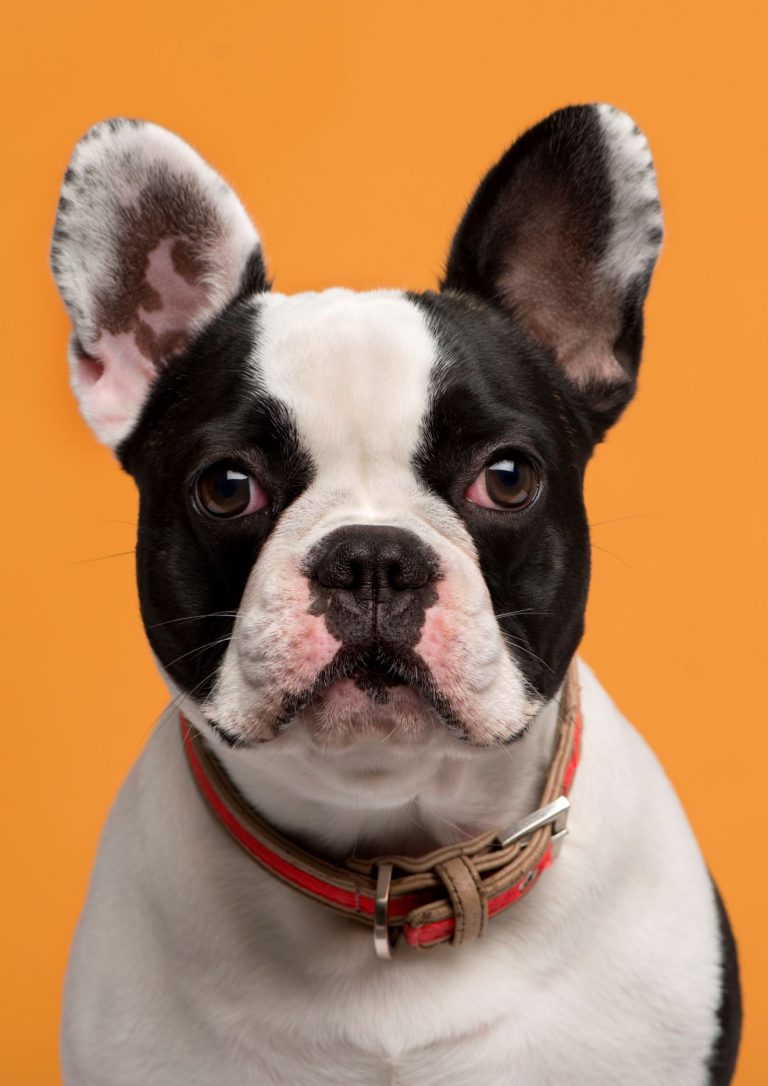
x=447 y=895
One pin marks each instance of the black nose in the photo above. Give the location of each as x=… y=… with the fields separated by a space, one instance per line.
x=373 y=582
x=373 y=557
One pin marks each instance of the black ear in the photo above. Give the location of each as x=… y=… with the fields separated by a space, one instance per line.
x=150 y=244
x=563 y=233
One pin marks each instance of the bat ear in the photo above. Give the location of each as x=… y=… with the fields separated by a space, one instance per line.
x=563 y=233
x=149 y=245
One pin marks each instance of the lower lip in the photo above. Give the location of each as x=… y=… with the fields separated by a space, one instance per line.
x=346 y=694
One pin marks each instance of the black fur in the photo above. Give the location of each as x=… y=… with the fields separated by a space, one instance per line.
x=501 y=392
x=189 y=565
x=722 y=1062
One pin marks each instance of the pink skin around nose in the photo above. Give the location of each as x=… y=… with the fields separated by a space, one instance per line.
x=301 y=644
x=310 y=648
x=439 y=636
x=305 y=647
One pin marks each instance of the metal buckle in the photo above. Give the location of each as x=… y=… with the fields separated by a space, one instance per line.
x=555 y=813
x=382 y=942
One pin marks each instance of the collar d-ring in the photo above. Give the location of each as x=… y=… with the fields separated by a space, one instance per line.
x=382 y=940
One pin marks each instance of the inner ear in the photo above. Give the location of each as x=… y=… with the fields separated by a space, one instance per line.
x=552 y=281
x=563 y=234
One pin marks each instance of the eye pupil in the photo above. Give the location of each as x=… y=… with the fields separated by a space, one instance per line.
x=224 y=490
x=506 y=474
x=511 y=483
x=229 y=484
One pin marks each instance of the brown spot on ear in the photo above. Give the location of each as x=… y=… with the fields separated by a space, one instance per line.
x=172 y=342
x=148 y=298
x=186 y=262
x=168 y=207
x=158 y=347
x=145 y=338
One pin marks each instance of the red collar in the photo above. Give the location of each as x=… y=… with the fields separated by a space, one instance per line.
x=445 y=896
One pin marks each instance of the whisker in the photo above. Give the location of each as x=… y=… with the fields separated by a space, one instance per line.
x=516 y=643
x=102 y=557
x=628 y=516
x=412 y=817
x=523 y=611
x=194 y=618
x=612 y=555
x=199 y=649
x=432 y=813
x=165 y=716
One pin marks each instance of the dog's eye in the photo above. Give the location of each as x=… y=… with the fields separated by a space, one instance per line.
x=511 y=483
x=225 y=490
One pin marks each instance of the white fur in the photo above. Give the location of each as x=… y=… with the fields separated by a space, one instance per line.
x=605 y=975
x=636 y=212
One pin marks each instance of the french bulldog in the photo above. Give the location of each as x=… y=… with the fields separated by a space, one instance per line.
x=363 y=560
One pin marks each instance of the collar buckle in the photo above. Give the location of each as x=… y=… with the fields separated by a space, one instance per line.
x=554 y=814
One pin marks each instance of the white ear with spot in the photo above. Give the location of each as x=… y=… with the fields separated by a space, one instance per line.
x=150 y=244
x=563 y=233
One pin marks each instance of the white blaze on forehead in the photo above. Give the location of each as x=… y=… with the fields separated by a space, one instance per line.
x=354 y=371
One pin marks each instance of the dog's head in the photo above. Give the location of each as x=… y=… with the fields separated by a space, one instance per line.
x=361 y=512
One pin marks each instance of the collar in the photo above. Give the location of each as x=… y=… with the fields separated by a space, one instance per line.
x=448 y=895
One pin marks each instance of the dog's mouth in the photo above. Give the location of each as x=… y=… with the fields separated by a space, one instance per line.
x=376 y=671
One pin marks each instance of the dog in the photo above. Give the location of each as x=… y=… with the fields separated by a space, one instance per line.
x=363 y=561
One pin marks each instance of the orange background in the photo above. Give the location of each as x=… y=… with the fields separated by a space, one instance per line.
x=355 y=133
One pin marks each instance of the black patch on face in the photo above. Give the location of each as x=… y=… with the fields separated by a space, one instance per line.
x=192 y=569
x=373 y=583
x=497 y=391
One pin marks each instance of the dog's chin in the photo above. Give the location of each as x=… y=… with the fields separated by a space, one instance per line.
x=357 y=709
x=353 y=710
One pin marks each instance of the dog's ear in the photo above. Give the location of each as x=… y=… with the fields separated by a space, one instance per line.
x=149 y=245
x=563 y=233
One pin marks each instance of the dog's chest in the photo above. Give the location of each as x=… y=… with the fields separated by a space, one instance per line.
x=495 y=1017
x=608 y=972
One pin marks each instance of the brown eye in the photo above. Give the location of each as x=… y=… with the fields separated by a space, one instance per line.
x=225 y=490
x=510 y=483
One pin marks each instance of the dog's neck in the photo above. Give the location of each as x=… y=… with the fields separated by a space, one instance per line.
x=381 y=796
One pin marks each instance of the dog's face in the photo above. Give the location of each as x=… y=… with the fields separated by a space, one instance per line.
x=361 y=513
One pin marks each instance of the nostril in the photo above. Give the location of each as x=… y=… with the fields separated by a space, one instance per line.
x=340 y=570
x=407 y=573
x=355 y=575
x=393 y=575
